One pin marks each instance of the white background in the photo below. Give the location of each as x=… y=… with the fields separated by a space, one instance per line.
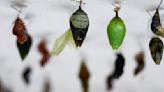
x=50 y=19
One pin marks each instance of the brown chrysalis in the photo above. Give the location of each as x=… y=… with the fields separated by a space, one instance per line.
x=44 y=51
x=139 y=58
x=47 y=86
x=19 y=30
x=84 y=76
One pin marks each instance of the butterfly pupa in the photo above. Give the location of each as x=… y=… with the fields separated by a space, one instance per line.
x=116 y=31
x=156 y=25
x=84 y=76
x=140 y=60
x=79 y=23
x=42 y=48
x=156 y=49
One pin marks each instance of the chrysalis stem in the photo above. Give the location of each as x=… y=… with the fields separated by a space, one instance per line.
x=116 y=9
x=80 y=3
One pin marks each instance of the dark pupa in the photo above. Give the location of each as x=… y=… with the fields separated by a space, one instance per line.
x=26 y=75
x=156 y=25
x=139 y=58
x=45 y=53
x=84 y=76
x=25 y=47
x=118 y=71
x=156 y=49
x=79 y=23
x=19 y=30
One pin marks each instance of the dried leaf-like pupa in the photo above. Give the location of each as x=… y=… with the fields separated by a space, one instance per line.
x=84 y=76
x=79 y=23
x=26 y=75
x=156 y=49
x=25 y=47
x=116 y=31
x=19 y=30
x=44 y=51
x=140 y=63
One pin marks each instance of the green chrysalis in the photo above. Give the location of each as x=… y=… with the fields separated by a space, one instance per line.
x=116 y=31
x=79 y=23
x=156 y=49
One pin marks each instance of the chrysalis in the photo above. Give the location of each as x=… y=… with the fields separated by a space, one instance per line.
x=156 y=25
x=139 y=58
x=44 y=51
x=79 y=23
x=26 y=75
x=156 y=49
x=47 y=86
x=25 y=47
x=116 y=31
x=118 y=71
x=19 y=30
x=84 y=76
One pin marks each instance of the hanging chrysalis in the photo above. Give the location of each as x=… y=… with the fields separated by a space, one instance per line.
x=45 y=53
x=118 y=71
x=26 y=75
x=79 y=23
x=156 y=25
x=24 y=40
x=139 y=58
x=116 y=31
x=84 y=76
x=156 y=49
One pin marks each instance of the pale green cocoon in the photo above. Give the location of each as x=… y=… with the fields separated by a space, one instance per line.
x=62 y=41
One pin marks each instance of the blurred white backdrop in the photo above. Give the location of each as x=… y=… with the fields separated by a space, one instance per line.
x=51 y=19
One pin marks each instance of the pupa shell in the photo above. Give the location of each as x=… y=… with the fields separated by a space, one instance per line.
x=116 y=31
x=156 y=49
x=156 y=25
x=79 y=23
